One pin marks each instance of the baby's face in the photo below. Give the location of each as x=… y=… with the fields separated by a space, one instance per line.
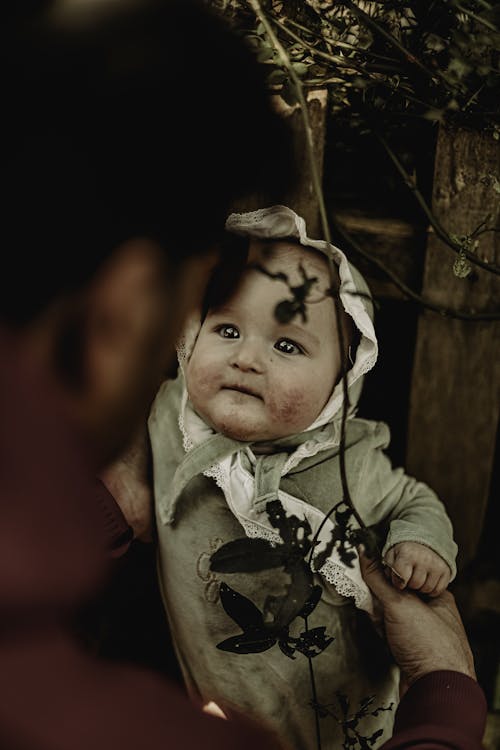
x=253 y=378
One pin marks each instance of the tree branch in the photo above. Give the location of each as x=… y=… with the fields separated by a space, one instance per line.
x=439 y=230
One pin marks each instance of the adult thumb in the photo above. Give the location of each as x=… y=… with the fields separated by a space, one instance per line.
x=374 y=577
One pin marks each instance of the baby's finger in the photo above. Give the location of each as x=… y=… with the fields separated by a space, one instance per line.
x=401 y=574
x=371 y=571
x=417 y=578
x=397 y=580
x=440 y=585
x=430 y=582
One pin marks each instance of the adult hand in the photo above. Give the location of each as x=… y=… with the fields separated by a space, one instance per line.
x=127 y=479
x=424 y=636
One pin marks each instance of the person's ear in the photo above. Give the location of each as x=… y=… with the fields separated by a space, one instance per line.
x=127 y=309
x=124 y=343
x=134 y=309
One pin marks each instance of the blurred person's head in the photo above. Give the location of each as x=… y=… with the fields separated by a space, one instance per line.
x=131 y=127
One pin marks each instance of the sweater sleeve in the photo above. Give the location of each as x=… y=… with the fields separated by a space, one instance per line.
x=414 y=512
x=441 y=711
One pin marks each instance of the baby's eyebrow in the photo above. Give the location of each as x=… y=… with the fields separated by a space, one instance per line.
x=222 y=310
x=300 y=331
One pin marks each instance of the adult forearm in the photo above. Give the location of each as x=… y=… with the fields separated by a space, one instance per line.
x=443 y=710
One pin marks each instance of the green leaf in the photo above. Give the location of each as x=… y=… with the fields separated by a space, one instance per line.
x=289 y=93
x=435 y=42
x=276 y=76
x=300 y=68
x=265 y=53
x=317 y=70
x=462 y=266
x=435 y=115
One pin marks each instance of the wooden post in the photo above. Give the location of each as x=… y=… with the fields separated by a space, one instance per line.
x=301 y=196
x=454 y=400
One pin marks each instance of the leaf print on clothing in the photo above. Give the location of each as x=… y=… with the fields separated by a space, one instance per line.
x=261 y=630
x=353 y=739
x=258 y=636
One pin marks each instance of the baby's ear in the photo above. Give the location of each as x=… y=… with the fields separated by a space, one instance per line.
x=351 y=337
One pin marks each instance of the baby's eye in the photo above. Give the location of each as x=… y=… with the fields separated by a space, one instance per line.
x=228 y=332
x=288 y=347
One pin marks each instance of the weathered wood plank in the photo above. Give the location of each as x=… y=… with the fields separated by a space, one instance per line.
x=454 y=399
x=396 y=243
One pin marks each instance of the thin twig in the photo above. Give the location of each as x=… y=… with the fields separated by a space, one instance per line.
x=348 y=63
x=285 y=61
x=474 y=96
x=389 y=37
x=338 y=42
x=439 y=230
x=483 y=231
x=477 y=18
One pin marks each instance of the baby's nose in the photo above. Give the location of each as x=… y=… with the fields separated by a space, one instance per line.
x=247 y=357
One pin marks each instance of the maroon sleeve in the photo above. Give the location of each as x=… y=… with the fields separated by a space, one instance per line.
x=118 y=533
x=55 y=696
x=441 y=711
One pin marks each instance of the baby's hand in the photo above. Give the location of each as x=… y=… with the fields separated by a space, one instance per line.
x=418 y=567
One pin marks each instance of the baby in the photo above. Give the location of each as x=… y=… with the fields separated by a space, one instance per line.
x=254 y=419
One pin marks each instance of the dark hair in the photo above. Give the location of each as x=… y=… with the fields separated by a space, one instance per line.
x=138 y=118
x=224 y=279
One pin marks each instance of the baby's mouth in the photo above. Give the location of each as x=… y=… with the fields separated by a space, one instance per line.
x=242 y=389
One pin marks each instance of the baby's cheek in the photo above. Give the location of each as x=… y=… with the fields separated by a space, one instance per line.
x=292 y=407
x=201 y=381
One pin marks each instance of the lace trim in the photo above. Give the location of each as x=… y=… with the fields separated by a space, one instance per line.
x=274 y=221
x=187 y=442
x=310 y=448
x=188 y=338
x=217 y=473
x=334 y=574
x=255 y=531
